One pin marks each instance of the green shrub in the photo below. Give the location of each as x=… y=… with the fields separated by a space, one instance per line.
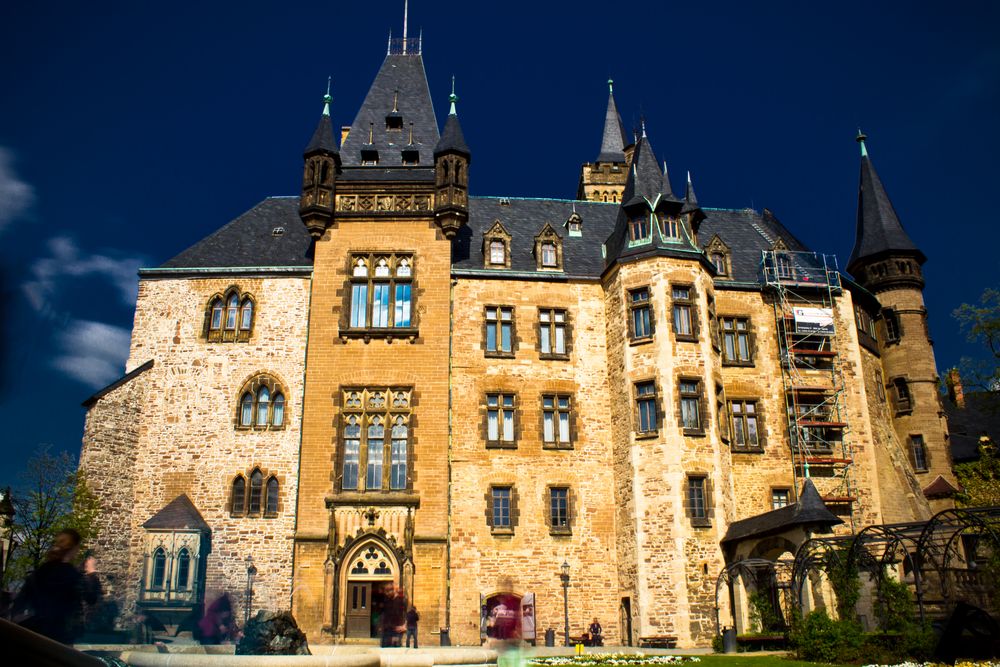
x=717 y=643
x=818 y=638
x=896 y=605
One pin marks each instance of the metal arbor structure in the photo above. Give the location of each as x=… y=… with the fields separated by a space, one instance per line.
x=804 y=286
x=775 y=574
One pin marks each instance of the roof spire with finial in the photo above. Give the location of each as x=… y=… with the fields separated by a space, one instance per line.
x=689 y=197
x=861 y=140
x=668 y=191
x=453 y=98
x=322 y=138
x=406 y=19
x=613 y=141
x=327 y=98
x=642 y=122
x=452 y=139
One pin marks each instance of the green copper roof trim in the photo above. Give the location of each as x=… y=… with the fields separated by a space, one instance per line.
x=453 y=98
x=861 y=140
x=327 y=98
x=228 y=270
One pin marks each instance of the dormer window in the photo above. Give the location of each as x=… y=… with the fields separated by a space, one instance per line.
x=671 y=228
x=718 y=254
x=548 y=249
x=394 y=121
x=369 y=157
x=549 y=254
x=574 y=226
x=411 y=157
x=639 y=228
x=498 y=252
x=496 y=247
x=719 y=260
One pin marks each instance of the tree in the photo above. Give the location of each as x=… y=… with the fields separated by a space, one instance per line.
x=981 y=324
x=52 y=496
x=980 y=479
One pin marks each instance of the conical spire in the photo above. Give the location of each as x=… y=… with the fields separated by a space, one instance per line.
x=322 y=138
x=452 y=138
x=613 y=141
x=667 y=191
x=690 y=198
x=645 y=180
x=879 y=231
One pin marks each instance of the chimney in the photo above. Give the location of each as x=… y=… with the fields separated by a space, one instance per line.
x=954 y=384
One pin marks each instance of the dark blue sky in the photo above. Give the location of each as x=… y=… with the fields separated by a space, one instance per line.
x=130 y=130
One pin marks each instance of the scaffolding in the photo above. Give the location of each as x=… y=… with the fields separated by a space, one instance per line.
x=803 y=286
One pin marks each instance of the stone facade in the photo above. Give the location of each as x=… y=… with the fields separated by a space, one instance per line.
x=417 y=447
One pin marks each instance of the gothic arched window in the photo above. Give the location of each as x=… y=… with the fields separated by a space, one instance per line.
x=271 y=497
x=262 y=404
x=239 y=495
x=229 y=317
x=183 y=569
x=256 y=487
x=159 y=568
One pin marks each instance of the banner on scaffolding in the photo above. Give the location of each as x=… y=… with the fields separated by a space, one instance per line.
x=814 y=320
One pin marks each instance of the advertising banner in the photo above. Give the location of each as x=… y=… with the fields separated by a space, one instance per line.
x=814 y=320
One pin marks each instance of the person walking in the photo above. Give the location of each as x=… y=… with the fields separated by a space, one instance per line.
x=412 y=618
x=51 y=597
x=393 y=616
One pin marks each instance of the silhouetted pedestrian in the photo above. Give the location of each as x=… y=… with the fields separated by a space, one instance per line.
x=412 y=618
x=217 y=626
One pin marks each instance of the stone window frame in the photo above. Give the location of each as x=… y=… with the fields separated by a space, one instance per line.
x=252 y=387
x=548 y=236
x=892 y=326
x=912 y=440
x=902 y=397
x=497 y=232
x=735 y=332
x=758 y=417
x=655 y=398
x=880 y=385
x=702 y=518
x=702 y=406
x=552 y=325
x=395 y=259
x=775 y=490
x=691 y=304
x=361 y=403
x=264 y=510
x=222 y=333
x=633 y=306
x=717 y=247
x=642 y=222
x=554 y=530
x=514 y=408
x=570 y=410
x=721 y=411
x=515 y=513
x=499 y=353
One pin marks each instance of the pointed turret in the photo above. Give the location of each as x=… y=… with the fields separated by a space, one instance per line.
x=322 y=165
x=613 y=140
x=880 y=235
x=667 y=190
x=690 y=198
x=451 y=167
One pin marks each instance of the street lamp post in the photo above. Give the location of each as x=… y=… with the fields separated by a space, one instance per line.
x=564 y=575
x=251 y=573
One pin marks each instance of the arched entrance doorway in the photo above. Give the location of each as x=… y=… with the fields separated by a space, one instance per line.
x=507 y=615
x=366 y=575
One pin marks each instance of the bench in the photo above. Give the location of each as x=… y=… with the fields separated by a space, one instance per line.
x=762 y=642
x=658 y=641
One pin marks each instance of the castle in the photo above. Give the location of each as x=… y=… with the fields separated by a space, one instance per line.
x=384 y=378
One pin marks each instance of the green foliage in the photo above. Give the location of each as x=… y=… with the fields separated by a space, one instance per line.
x=843 y=575
x=980 y=480
x=717 y=643
x=763 y=617
x=52 y=496
x=981 y=324
x=896 y=605
x=818 y=638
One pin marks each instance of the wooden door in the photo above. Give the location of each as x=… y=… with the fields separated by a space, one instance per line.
x=359 y=609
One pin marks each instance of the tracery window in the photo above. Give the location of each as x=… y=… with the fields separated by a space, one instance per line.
x=375 y=438
x=159 y=568
x=261 y=405
x=229 y=317
x=381 y=291
x=183 y=570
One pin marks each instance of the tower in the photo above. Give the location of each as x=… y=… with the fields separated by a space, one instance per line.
x=451 y=168
x=886 y=262
x=604 y=178
x=322 y=165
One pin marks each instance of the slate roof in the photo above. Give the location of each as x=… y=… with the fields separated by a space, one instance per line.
x=249 y=240
x=179 y=514
x=939 y=488
x=403 y=73
x=809 y=510
x=452 y=138
x=322 y=138
x=613 y=141
x=878 y=230
x=980 y=416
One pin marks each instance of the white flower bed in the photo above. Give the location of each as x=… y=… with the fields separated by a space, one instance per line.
x=612 y=659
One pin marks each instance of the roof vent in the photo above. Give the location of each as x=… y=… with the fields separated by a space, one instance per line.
x=277 y=231
x=504 y=201
x=411 y=157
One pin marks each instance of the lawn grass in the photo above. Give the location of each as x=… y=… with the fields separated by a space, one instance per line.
x=744 y=660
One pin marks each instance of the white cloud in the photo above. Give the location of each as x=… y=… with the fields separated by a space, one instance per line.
x=93 y=353
x=65 y=260
x=15 y=195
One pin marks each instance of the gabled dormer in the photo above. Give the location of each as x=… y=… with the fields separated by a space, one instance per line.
x=496 y=247
x=548 y=250
x=574 y=225
x=720 y=256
